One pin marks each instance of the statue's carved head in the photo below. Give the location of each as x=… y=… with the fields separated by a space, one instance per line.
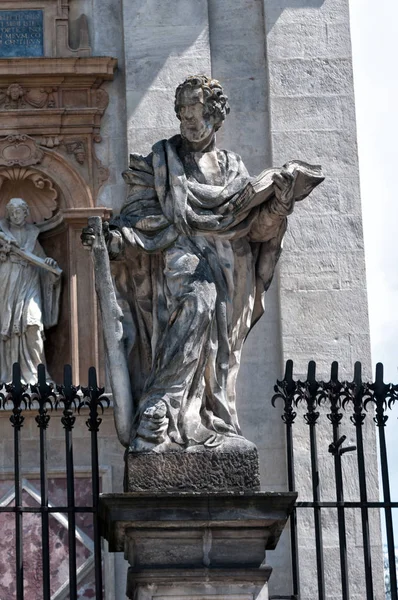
x=15 y=91
x=201 y=106
x=17 y=211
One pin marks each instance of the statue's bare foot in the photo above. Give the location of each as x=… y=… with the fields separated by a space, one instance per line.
x=152 y=430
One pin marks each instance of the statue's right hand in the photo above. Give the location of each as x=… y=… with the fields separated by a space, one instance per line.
x=87 y=237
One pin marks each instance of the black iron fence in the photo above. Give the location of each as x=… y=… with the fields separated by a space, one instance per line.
x=316 y=402
x=361 y=402
x=43 y=400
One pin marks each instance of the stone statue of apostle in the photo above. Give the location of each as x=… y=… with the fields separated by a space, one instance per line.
x=191 y=266
x=30 y=294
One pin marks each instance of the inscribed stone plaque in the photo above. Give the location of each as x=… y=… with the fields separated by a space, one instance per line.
x=21 y=33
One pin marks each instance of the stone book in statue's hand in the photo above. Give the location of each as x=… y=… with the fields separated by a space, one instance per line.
x=262 y=188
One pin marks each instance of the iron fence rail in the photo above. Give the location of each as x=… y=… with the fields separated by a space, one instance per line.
x=44 y=398
x=339 y=398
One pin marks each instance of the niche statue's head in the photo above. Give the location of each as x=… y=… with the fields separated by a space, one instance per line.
x=17 y=211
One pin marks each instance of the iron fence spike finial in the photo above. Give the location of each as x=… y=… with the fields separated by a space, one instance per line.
x=289 y=370
x=16 y=377
x=41 y=377
x=311 y=370
x=92 y=378
x=358 y=373
x=379 y=373
x=67 y=376
x=334 y=371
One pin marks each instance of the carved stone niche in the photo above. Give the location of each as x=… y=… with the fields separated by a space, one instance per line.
x=51 y=106
x=60 y=202
x=54 y=24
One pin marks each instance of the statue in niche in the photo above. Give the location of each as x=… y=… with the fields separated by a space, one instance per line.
x=30 y=284
x=193 y=252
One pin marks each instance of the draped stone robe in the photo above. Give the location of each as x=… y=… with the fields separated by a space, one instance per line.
x=30 y=303
x=191 y=283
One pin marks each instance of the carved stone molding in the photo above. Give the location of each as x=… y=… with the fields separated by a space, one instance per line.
x=19 y=150
x=51 y=141
x=17 y=97
x=54 y=97
x=93 y=69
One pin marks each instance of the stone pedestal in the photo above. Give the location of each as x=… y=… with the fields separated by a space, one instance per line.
x=231 y=467
x=195 y=546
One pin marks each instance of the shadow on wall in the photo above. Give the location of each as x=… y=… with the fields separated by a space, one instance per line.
x=168 y=40
x=273 y=10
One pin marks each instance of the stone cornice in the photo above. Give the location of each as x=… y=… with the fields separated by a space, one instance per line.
x=54 y=96
x=90 y=71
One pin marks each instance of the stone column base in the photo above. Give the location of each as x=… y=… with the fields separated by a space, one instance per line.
x=198 y=584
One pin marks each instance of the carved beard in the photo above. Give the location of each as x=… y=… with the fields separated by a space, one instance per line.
x=196 y=131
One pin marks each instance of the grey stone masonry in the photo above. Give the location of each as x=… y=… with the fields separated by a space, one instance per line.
x=322 y=284
x=322 y=279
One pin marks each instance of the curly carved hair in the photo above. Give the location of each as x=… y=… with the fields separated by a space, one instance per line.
x=16 y=203
x=216 y=102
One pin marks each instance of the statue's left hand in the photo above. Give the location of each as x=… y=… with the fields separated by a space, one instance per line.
x=51 y=262
x=284 y=189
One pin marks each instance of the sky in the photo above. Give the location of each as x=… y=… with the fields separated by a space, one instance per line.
x=374 y=35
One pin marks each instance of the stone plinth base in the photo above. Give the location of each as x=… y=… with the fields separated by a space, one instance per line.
x=198 y=584
x=230 y=467
x=191 y=546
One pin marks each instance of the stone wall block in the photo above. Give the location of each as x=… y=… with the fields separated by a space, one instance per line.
x=305 y=347
x=169 y=71
x=248 y=139
x=279 y=12
x=309 y=39
x=181 y=40
x=311 y=77
x=142 y=140
x=359 y=343
x=168 y=13
x=151 y=109
x=336 y=194
x=321 y=269
x=322 y=233
x=295 y=113
x=325 y=313
x=335 y=150
x=352 y=271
